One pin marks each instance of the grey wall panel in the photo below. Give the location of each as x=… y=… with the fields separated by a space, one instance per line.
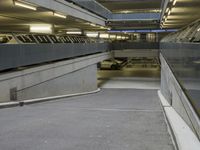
x=150 y=53
x=134 y=45
x=180 y=50
x=136 y=16
x=16 y=55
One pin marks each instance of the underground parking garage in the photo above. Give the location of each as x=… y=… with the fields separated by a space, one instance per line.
x=99 y=74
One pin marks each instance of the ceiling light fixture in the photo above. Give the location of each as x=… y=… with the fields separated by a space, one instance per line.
x=59 y=15
x=174 y=2
x=112 y=36
x=164 y=17
x=106 y=36
x=74 y=32
x=16 y=3
x=169 y=12
x=92 y=34
x=92 y=24
x=41 y=28
x=119 y=37
x=123 y=37
x=126 y=11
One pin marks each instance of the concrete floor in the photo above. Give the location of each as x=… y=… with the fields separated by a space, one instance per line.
x=130 y=72
x=129 y=82
x=113 y=119
x=131 y=78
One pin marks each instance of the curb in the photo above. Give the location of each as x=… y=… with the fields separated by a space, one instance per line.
x=182 y=135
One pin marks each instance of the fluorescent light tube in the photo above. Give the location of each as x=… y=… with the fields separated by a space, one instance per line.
x=92 y=34
x=106 y=36
x=59 y=15
x=123 y=37
x=41 y=28
x=112 y=36
x=164 y=17
x=24 y=5
x=174 y=2
x=169 y=12
x=74 y=32
x=92 y=24
x=119 y=37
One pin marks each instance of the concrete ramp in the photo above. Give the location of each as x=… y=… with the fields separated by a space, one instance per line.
x=113 y=119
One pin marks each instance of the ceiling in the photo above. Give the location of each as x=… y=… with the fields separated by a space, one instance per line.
x=131 y=6
x=18 y=19
x=182 y=13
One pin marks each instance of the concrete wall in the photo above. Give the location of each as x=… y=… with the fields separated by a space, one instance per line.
x=59 y=78
x=82 y=80
x=173 y=92
x=150 y=53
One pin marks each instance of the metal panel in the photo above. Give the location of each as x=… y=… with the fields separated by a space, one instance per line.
x=136 y=16
x=149 y=53
x=180 y=50
x=16 y=55
x=95 y=7
x=134 y=45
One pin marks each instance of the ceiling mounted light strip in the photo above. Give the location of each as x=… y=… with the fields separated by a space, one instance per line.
x=25 y=5
x=106 y=36
x=59 y=15
x=92 y=24
x=43 y=28
x=74 y=32
x=169 y=12
x=92 y=34
x=112 y=36
x=174 y=2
